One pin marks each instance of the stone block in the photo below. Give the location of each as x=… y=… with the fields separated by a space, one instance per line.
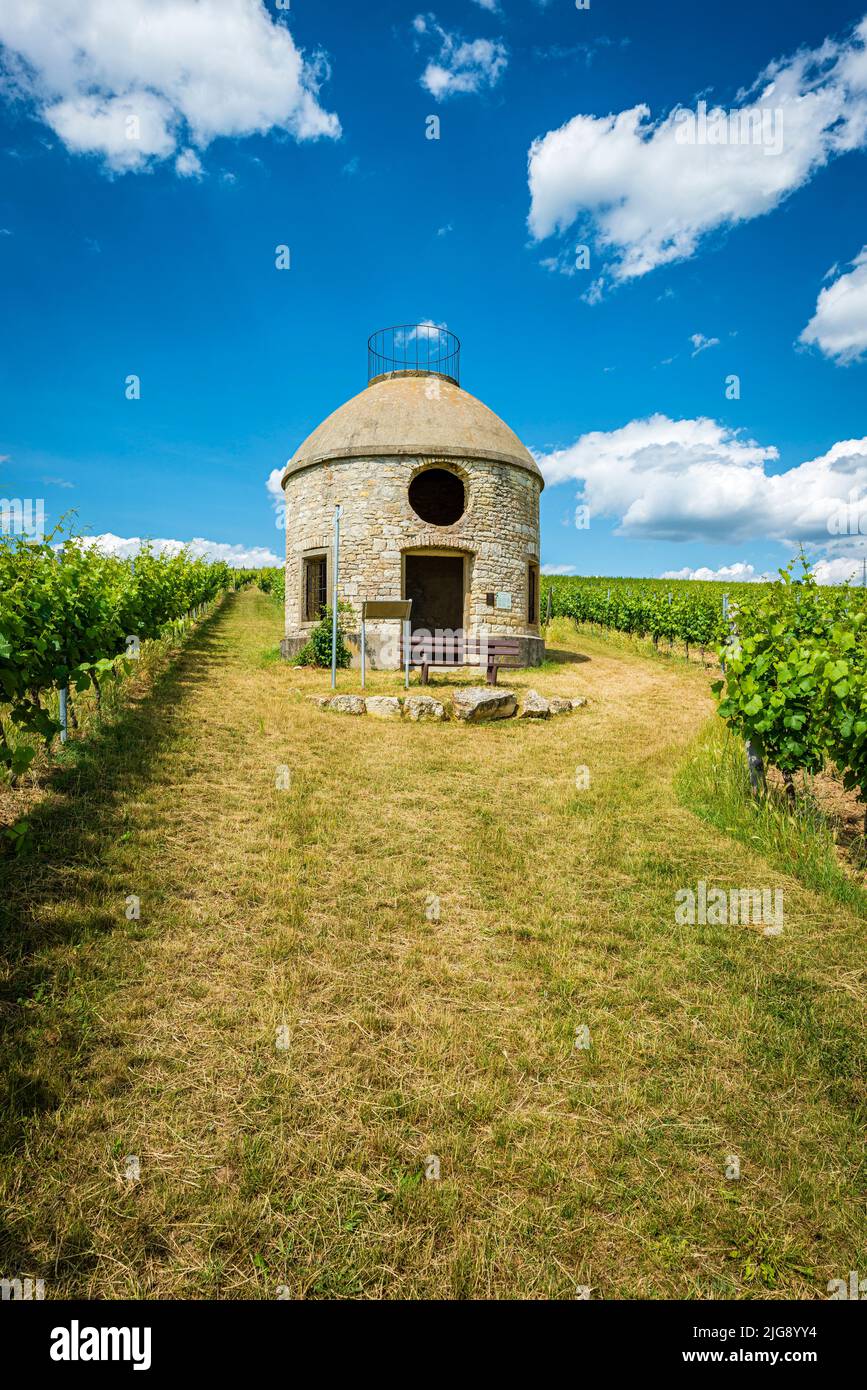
x=475 y=703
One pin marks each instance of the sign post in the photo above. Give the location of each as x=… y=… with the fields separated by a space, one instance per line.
x=379 y=608
x=338 y=512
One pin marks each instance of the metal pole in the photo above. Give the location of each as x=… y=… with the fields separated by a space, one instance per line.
x=363 y=645
x=337 y=514
x=406 y=641
x=64 y=689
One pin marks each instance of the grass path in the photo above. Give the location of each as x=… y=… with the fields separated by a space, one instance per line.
x=303 y=1167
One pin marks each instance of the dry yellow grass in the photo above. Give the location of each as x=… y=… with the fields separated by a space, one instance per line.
x=305 y=909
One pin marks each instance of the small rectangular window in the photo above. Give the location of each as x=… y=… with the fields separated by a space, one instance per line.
x=532 y=595
x=315 y=587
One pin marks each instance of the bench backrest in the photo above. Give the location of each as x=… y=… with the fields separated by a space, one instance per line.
x=459 y=650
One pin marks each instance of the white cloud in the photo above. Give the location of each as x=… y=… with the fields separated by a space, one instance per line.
x=841 y=570
x=839 y=326
x=738 y=573
x=129 y=131
x=134 y=81
x=700 y=343
x=845 y=569
x=558 y=569
x=273 y=485
x=696 y=479
x=238 y=556
x=653 y=197
x=425 y=329
x=461 y=65
x=188 y=165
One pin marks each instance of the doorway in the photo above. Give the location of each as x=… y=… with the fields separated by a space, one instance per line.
x=435 y=583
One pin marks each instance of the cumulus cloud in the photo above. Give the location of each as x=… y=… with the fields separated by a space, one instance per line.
x=839 y=325
x=238 y=556
x=841 y=570
x=844 y=569
x=695 y=479
x=738 y=573
x=652 y=196
x=137 y=81
x=461 y=65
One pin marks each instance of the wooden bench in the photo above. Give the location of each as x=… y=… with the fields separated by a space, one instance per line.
x=457 y=650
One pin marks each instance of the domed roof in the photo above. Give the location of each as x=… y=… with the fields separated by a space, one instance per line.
x=400 y=415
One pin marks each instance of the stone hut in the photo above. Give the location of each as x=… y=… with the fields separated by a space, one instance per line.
x=439 y=504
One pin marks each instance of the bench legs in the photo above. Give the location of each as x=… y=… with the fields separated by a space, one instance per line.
x=491 y=674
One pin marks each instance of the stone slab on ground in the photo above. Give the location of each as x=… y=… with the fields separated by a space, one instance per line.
x=535 y=706
x=383 y=706
x=347 y=704
x=475 y=703
x=423 y=707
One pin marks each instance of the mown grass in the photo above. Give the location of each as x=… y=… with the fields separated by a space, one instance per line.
x=302 y=1167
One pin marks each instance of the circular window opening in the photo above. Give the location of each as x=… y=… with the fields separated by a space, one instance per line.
x=437 y=496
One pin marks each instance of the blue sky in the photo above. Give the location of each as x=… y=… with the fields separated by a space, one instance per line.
x=153 y=254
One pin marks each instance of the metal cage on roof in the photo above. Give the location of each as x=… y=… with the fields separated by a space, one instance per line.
x=414 y=349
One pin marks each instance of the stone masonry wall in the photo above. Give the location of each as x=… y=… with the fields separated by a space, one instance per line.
x=499 y=530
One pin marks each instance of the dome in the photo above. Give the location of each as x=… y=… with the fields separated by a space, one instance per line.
x=399 y=415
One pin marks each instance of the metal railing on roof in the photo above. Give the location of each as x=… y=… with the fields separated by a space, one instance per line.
x=414 y=349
